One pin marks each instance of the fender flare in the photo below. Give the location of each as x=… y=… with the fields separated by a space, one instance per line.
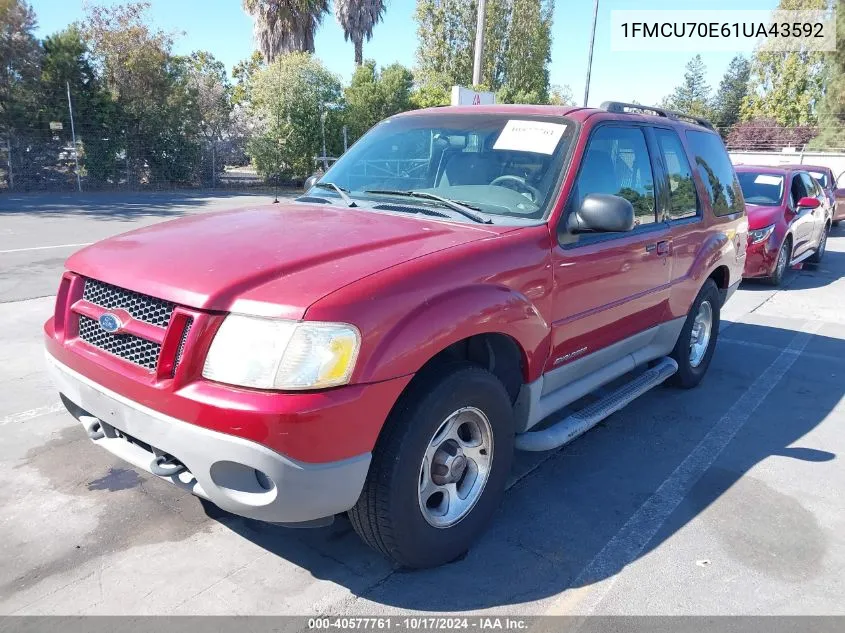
x=452 y=316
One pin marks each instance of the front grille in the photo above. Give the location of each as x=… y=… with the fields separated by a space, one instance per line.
x=141 y=307
x=182 y=341
x=127 y=346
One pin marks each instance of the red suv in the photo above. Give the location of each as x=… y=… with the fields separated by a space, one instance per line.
x=381 y=346
x=788 y=218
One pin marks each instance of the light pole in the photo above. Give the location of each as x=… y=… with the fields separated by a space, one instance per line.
x=479 y=43
x=73 y=136
x=590 y=58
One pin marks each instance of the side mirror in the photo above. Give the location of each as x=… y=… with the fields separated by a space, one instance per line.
x=809 y=202
x=309 y=182
x=602 y=213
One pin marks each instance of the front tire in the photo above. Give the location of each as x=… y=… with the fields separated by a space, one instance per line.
x=439 y=468
x=782 y=263
x=697 y=341
x=816 y=257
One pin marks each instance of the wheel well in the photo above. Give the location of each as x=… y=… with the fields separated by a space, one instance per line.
x=722 y=277
x=499 y=354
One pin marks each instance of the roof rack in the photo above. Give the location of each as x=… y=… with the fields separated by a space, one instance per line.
x=620 y=107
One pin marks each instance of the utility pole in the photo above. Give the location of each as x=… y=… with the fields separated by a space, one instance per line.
x=73 y=136
x=479 y=43
x=590 y=58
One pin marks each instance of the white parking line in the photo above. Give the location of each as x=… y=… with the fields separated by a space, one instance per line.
x=44 y=248
x=23 y=416
x=597 y=579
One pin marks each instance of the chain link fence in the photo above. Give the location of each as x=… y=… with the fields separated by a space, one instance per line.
x=47 y=161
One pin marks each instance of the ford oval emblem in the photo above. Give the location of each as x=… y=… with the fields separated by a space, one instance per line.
x=110 y=322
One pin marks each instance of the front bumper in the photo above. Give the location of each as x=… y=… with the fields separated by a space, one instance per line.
x=236 y=474
x=760 y=259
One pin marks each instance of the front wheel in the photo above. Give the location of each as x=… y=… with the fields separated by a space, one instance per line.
x=439 y=468
x=784 y=256
x=697 y=341
x=816 y=258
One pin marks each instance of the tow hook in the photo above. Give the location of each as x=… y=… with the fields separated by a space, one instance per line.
x=93 y=427
x=166 y=466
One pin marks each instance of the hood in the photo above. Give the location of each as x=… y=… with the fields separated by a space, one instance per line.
x=761 y=216
x=270 y=261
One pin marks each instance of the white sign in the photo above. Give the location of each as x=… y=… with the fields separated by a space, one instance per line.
x=767 y=179
x=530 y=136
x=56 y=125
x=465 y=96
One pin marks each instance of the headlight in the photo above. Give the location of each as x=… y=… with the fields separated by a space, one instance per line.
x=279 y=354
x=759 y=235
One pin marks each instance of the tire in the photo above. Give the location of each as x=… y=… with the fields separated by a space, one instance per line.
x=836 y=222
x=691 y=368
x=390 y=515
x=782 y=263
x=816 y=257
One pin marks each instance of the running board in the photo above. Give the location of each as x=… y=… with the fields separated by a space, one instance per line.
x=803 y=257
x=578 y=423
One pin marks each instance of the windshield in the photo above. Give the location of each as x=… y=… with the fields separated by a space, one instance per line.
x=820 y=177
x=762 y=189
x=505 y=166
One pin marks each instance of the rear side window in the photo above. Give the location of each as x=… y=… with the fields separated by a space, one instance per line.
x=716 y=172
x=683 y=200
x=811 y=185
x=617 y=162
x=799 y=190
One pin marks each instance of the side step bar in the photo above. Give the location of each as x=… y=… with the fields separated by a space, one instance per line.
x=578 y=423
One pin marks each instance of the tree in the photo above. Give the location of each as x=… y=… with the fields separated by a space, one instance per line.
x=733 y=89
x=285 y=26
x=20 y=56
x=243 y=73
x=151 y=87
x=693 y=96
x=786 y=87
x=358 y=17
x=517 y=36
x=528 y=53
x=289 y=97
x=832 y=107
x=372 y=96
x=561 y=95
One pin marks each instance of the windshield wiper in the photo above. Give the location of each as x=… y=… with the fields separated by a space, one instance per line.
x=461 y=207
x=340 y=191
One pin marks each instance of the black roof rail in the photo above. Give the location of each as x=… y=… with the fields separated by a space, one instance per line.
x=620 y=107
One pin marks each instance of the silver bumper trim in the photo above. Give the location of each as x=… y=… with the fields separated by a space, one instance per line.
x=220 y=467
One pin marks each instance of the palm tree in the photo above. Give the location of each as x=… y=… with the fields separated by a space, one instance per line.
x=358 y=17
x=285 y=26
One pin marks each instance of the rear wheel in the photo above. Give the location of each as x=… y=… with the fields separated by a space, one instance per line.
x=439 y=469
x=697 y=340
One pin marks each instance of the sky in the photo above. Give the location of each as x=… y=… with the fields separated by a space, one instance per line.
x=224 y=29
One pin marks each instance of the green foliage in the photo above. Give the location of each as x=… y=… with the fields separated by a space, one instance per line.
x=786 y=87
x=529 y=52
x=517 y=48
x=430 y=95
x=831 y=113
x=693 y=96
x=289 y=97
x=561 y=96
x=243 y=74
x=733 y=89
x=372 y=96
x=20 y=56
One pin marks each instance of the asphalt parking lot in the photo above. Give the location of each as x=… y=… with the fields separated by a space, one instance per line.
x=726 y=499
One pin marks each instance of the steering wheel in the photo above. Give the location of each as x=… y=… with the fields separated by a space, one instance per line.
x=521 y=185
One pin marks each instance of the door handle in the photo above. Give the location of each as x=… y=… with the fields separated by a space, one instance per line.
x=664 y=247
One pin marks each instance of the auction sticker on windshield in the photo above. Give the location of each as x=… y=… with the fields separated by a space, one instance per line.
x=530 y=136
x=766 y=179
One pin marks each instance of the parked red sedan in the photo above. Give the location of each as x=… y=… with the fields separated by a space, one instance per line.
x=788 y=220
x=824 y=176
